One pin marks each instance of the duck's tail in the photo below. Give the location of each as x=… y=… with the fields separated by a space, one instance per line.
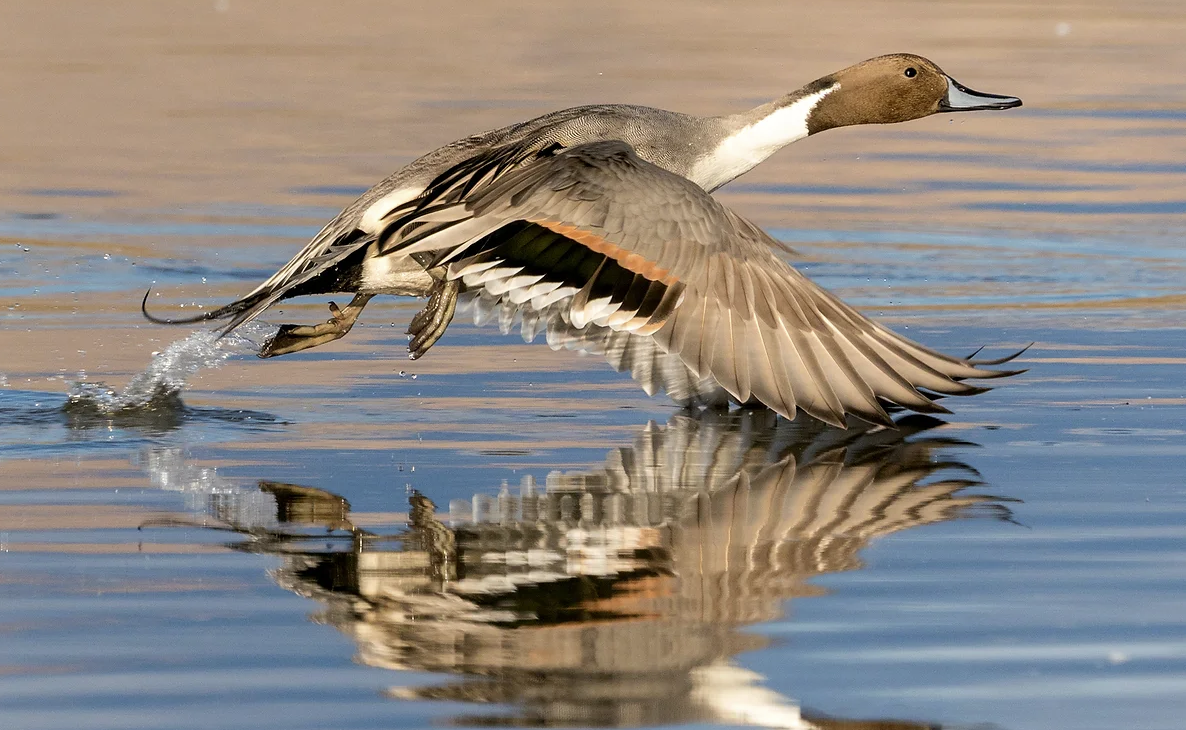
x=230 y=310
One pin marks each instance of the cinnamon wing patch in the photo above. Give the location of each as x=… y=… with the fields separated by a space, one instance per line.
x=545 y=261
x=627 y=260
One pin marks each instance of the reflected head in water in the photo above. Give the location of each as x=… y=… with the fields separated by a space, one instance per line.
x=614 y=596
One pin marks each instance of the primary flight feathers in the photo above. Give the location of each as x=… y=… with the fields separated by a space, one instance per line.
x=633 y=248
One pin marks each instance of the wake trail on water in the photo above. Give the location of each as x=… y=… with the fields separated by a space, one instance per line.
x=160 y=384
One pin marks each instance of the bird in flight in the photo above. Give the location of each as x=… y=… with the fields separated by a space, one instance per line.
x=597 y=225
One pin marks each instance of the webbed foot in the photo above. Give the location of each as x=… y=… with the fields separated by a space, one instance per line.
x=430 y=323
x=296 y=337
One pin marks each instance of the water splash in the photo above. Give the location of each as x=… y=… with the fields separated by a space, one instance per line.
x=160 y=384
x=207 y=491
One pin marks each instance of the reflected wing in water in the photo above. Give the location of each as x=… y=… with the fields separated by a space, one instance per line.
x=613 y=596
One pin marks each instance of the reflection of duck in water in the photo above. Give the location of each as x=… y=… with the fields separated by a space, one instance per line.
x=613 y=596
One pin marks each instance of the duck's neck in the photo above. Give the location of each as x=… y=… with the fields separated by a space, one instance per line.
x=752 y=136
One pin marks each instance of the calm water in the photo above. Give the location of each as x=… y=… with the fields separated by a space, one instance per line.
x=502 y=535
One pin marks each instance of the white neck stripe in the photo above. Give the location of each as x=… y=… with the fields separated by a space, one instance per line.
x=745 y=148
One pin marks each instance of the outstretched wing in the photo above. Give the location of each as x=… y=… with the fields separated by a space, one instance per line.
x=625 y=245
x=654 y=369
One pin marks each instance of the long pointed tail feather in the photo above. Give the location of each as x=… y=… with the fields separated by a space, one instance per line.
x=223 y=312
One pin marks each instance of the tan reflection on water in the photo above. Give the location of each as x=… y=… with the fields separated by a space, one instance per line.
x=174 y=102
x=167 y=108
x=612 y=596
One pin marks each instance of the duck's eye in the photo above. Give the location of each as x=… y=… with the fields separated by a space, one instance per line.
x=911 y=73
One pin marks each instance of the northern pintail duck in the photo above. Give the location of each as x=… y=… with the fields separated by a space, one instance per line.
x=596 y=224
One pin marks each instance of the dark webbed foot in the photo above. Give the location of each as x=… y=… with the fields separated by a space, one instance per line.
x=430 y=323
x=296 y=337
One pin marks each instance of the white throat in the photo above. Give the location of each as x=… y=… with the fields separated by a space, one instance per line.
x=745 y=148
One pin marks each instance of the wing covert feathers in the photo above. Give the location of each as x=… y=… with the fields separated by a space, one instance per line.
x=611 y=251
x=609 y=254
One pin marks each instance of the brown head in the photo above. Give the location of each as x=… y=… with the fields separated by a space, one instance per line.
x=894 y=88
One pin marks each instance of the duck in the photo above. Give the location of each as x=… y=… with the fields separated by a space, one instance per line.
x=597 y=225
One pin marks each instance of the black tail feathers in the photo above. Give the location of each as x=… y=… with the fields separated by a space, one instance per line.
x=229 y=310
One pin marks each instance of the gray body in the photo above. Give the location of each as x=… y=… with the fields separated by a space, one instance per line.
x=673 y=141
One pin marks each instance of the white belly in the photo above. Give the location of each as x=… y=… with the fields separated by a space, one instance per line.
x=394 y=274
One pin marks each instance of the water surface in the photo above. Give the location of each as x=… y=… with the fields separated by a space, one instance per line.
x=499 y=534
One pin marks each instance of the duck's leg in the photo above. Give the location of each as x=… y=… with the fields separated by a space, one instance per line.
x=296 y=337
x=430 y=323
